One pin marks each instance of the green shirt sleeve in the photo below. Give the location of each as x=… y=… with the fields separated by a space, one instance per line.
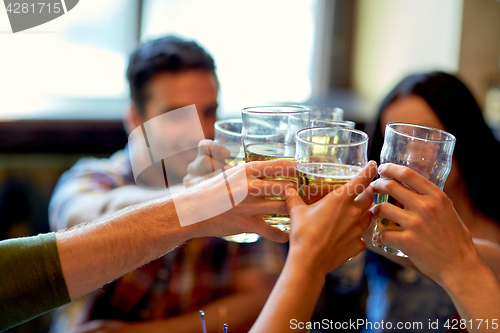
x=31 y=279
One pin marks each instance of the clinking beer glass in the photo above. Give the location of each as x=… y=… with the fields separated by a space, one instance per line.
x=327 y=158
x=426 y=150
x=269 y=134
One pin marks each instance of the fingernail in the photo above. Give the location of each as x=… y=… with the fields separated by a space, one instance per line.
x=381 y=168
x=373 y=163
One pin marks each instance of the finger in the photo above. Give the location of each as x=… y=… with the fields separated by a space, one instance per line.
x=392 y=213
x=408 y=177
x=271 y=233
x=292 y=199
x=210 y=148
x=364 y=200
x=361 y=181
x=259 y=187
x=397 y=190
x=365 y=220
x=398 y=239
x=268 y=169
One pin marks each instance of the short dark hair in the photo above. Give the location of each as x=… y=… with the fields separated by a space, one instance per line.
x=167 y=54
x=460 y=114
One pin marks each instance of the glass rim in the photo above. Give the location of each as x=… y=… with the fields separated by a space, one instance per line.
x=225 y=131
x=313 y=107
x=334 y=121
x=288 y=109
x=448 y=137
x=352 y=144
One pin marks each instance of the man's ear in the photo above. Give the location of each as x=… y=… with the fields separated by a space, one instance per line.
x=133 y=118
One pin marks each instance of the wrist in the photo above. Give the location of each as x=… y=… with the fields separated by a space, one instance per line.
x=168 y=228
x=470 y=268
x=303 y=263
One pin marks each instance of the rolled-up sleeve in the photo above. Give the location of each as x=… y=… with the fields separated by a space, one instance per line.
x=31 y=279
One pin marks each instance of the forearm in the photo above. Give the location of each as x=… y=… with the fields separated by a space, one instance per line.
x=475 y=291
x=292 y=300
x=490 y=252
x=97 y=253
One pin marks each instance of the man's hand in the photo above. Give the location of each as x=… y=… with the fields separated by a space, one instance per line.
x=246 y=181
x=210 y=158
x=327 y=233
x=432 y=235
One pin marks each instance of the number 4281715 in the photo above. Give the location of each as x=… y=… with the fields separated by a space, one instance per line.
x=455 y=324
x=41 y=7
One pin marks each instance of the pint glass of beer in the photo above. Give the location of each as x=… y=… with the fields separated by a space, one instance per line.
x=426 y=150
x=228 y=134
x=327 y=158
x=269 y=134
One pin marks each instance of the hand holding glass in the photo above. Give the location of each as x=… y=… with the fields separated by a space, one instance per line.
x=426 y=150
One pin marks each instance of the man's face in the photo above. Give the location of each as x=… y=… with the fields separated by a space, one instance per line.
x=170 y=91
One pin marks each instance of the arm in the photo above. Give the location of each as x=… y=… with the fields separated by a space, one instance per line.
x=121 y=243
x=94 y=254
x=438 y=243
x=322 y=237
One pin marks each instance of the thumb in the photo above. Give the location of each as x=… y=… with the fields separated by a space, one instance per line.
x=292 y=199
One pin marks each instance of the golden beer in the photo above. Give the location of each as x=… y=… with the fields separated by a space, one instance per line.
x=382 y=225
x=315 y=180
x=267 y=152
x=235 y=155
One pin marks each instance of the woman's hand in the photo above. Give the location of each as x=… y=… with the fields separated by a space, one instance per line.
x=432 y=235
x=327 y=233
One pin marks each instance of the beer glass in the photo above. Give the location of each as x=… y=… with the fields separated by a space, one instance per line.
x=269 y=134
x=327 y=158
x=228 y=134
x=426 y=150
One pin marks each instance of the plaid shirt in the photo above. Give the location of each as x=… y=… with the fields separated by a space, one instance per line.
x=183 y=280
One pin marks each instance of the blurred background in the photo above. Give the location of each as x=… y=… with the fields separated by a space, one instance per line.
x=63 y=89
